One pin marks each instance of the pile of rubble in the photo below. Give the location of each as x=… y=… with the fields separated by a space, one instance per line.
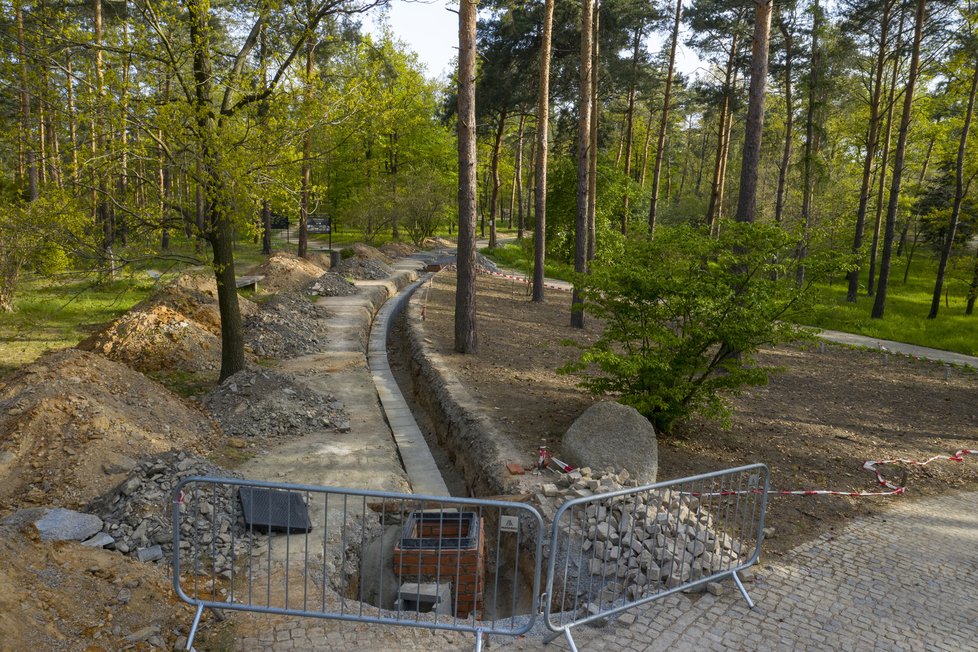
x=262 y=404
x=137 y=514
x=289 y=325
x=331 y=284
x=635 y=545
x=363 y=268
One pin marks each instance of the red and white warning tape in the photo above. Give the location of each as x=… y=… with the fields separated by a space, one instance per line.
x=523 y=279
x=892 y=488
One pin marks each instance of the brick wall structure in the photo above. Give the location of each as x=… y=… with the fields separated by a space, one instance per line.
x=436 y=550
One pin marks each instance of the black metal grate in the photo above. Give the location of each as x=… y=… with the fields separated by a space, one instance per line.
x=272 y=510
x=465 y=524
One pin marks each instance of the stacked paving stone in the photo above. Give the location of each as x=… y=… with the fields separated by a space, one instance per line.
x=138 y=521
x=628 y=547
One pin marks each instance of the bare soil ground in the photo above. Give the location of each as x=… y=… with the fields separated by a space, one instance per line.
x=814 y=425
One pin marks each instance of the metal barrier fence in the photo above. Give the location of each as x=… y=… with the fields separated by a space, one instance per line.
x=434 y=562
x=613 y=551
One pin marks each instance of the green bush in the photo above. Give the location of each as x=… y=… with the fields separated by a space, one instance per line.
x=685 y=314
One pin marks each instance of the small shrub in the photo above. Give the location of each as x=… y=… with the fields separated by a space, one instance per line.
x=686 y=313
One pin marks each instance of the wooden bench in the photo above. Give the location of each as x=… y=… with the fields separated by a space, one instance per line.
x=248 y=282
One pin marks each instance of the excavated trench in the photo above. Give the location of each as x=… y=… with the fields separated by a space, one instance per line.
x=451 y=460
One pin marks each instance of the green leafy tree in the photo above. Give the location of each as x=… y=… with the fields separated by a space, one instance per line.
x=685 y=313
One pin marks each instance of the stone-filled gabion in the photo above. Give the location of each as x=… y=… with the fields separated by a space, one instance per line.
x=631 y=546
x=137 y=514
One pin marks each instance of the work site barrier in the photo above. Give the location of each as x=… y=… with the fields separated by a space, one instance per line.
x=614 y=551
x=433 y=562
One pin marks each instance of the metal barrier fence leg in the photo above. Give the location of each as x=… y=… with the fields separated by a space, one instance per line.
x=743 y=591
x=193 y=627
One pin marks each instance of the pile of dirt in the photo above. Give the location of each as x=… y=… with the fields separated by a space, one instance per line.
x=395 y=250
x=176 y=331
x=259 y=405
x=332 y=284
x=71 y=423
x=285 y=271
x=194 y=294
x=288 y=325
x=367 y=252
x=65 y=596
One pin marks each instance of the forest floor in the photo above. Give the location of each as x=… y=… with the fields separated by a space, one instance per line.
x=815 y=424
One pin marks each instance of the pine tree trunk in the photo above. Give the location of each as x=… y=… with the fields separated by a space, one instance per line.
x=884 y=162
x=629 y=122
x=494 y=173
x=751 y=161
x=789 y=111
x=518 y=178
x=716 y=190
x=808 y=182
x=583 y=159
x=664 y=118
x=958 y=198
x=872 y=143
x=543 y=119
x=465 y=316
x=592 y=183
x=879 y=304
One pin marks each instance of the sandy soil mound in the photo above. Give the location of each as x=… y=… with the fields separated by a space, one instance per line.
x=156 y=338
x=361 y=250
x=395 y=250
x=72 y=422
x=115 y=603
x=194 y=294
x=176 y=331
x=285 y=271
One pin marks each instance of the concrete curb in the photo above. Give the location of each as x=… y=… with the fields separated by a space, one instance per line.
x=416 y=457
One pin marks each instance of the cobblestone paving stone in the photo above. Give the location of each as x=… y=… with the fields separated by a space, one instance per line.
x=904 y=580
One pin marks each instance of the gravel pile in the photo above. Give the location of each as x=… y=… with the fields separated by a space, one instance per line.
x=258 y=404
x=331 y=284
x=137 y=513
x=363 y=268
x=635 y=545
x=289 y=325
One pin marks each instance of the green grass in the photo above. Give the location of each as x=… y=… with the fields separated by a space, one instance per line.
x=54 y=314
x=907 y=306
x=520 y=258
x=59 y=312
